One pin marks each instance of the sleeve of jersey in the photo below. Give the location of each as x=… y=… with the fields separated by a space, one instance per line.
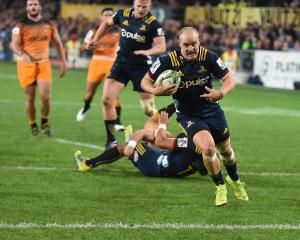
x=53 y=29
x=159 y=65
x=117 y=17
x=216 y=65
x=156 y=29
x=17 y=29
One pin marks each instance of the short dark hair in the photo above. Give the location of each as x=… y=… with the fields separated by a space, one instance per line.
x=106 y=9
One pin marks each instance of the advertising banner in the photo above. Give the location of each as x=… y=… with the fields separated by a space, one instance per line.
x=277 y=69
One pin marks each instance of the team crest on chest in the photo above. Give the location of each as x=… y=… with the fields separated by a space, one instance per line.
x=143 y=27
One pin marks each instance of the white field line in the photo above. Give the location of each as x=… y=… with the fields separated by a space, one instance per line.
x=80 y=144
x=163 y=226
x=267 y=111
x=49 y=169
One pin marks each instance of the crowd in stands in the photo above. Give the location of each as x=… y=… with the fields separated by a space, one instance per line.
x=271 y=37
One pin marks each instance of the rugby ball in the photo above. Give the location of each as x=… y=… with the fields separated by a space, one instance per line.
x=167 y=78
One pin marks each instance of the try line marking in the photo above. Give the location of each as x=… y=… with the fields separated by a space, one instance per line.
x=80 y=144
x=48 y=169
x=151 y=226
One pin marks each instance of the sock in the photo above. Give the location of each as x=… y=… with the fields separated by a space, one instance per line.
x=33 y=124
x=108 y=156
x=218 y=179
x=86 y=105
x=118 y=109
x=44 y=120
x=170 y=109
x=110 y=130
x=232 y=171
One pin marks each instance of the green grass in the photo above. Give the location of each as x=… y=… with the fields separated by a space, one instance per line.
x=46 y=188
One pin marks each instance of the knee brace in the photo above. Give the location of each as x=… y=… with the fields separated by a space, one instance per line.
x=148 y=106
x=225 y=158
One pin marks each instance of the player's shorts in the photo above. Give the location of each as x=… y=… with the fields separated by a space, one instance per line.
x=98 y=70
x=124 y=73
x=146 y=159
x=216 y=125
x=31 y=72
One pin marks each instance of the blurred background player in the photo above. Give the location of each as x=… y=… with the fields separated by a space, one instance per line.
x=31 y=38
x=73 y=46
x=197 y=107
x=142 y=36
x=100 y=65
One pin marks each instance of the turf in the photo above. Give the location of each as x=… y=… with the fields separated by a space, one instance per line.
x=39 y=183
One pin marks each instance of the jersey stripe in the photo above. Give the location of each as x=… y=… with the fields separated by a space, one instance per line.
x=150 y=20
x=140 y=149
x=126 y=12
x=174 y=60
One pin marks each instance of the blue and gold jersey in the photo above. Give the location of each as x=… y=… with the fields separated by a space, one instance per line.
x=136 y=34
x=185 y=160
x=195 y=76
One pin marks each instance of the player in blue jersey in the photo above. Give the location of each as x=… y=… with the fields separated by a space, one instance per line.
x=142 y=36
x=197 y=107
x=160 y=155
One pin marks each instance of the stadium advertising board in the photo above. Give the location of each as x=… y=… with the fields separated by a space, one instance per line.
x=239 y=17
x=91 y=11
x=277 y=69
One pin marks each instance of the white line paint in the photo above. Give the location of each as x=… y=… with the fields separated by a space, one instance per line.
x=40 y=168
x=268 y=111
x=65 y=141
x=172 y=226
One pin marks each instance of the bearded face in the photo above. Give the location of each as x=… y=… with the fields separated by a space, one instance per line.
x=33 y=8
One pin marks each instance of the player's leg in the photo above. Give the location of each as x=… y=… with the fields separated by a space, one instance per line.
x=111 y=92
x=205 y=142
x=226 y=154
x=147 y=103
x=27 y=80
x=91 y=88
x=95 y=75
x=118 y=126
x=44 y=77
x=30 y=92
x=45 y=92
x=146 y=100
x=108 y=156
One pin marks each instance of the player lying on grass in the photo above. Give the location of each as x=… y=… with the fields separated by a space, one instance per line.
x=155 y=152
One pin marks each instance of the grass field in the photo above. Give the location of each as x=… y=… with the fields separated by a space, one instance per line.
x=42 y=196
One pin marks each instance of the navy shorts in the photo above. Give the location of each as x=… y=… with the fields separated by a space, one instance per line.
x=216 y=125
x=124 y=73
x=148 y=160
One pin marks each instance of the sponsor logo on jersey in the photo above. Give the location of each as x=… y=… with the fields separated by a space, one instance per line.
x=189 y=123
x=135 y=36
x=125 y=23
x=180 y=73
x=155 y=66
x=221 y=64
x=160 y=32
x=182 y=142
x=16 y=31
x=196 y=82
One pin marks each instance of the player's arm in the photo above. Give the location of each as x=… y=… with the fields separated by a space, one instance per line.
x=60 y=53
x=147 y=82
x=17 y=44
x=101 y=31
x=158 y=48
x=162 y=138
x=137 y=136
x=219 y=69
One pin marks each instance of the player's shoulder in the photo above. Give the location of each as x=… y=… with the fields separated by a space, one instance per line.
x=174 y=58
x=206 y=55
x=125 y=13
